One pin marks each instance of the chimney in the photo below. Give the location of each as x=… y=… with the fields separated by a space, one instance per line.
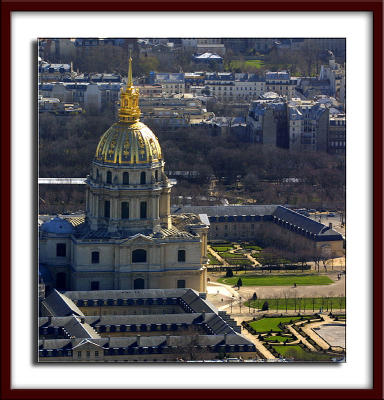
x=330 y=225
x=138 y=340
x=225 y=338
x=168 y=338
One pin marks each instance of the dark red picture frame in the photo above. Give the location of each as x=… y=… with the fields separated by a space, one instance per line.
x=7 y=7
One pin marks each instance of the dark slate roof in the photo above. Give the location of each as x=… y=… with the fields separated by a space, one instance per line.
x=148 y=341
x=126 y=294
x=59 y=305
x=148 y=319
x=303 y=222
x=77 y=329
x=280 y=212
x=226 y=210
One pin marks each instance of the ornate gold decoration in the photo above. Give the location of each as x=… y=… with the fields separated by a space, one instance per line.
x=129 y=141
x=129 y=111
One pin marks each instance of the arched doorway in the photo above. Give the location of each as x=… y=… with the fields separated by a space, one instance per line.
x=138 y=283
x=61 y=281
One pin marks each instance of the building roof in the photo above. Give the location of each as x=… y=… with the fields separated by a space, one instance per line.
x=57 y=225
x=218 y=211
x=60 y=305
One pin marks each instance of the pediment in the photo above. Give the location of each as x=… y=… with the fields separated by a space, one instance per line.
x=86 y=344
x=138 y=238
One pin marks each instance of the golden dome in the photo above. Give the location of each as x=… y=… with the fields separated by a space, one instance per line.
x=129 y=141
x=128 y=144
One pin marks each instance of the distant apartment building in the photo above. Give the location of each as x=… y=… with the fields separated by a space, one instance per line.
x=267 y=120
x=335 y=73
x=308 y=125
x=150 y=90
x=171 y=113
x=56 y=107
x=91 y=96
x=171 y=83
x=337 y=134
x=52 y=72
x=220 y=85
x=281 y=83
x=248 y=86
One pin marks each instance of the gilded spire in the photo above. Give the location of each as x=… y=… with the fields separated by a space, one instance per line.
x=129 y=100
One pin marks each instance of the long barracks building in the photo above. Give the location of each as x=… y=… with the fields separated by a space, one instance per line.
x=267 y=223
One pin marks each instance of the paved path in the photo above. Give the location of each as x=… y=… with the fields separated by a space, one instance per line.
x=308 y=329
x=216 y=255
x=300 y=337
x=259 y=345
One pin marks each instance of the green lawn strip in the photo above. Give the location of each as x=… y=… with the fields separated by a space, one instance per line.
x=303 y=304
x=277 y=338
x=279 y=280
x=268 y=324
x=226 y=254
x=297 y=353
x=220 y=249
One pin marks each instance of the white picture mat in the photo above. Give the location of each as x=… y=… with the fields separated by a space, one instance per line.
x=357 y=28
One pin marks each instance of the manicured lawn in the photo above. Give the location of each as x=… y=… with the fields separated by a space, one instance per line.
x=267 y=324
x=277 y=338
x=227 y=254
x=250 y=247
x=249 y=63
x=255 y=63
x=213 y=260
x=279 y=280
x=303 y=304
x=297 y=353
x=221 y=248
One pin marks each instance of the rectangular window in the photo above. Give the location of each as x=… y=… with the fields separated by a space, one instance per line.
x=95 y=257
x=61 y=249
x=181 y=283
x=181 y=255
x=96 y=354
x=79 y=354
x=143 y=210
x=125 y=210
x=88 y=354
x=107 y=209
x=95 y=285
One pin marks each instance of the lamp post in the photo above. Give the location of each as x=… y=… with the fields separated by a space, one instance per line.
x=240 y=304
x=231 y=303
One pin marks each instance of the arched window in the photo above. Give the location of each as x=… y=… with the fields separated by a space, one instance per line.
x=124 y=210
x=156 y=175
x=143 y=210
x=181 y=255
x=139 y=256
x=142 y=178
x=95 y=257
x=109 y=177
x=125 y=178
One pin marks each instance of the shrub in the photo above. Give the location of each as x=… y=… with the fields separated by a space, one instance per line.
x=265 y=306
x=229 y=273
